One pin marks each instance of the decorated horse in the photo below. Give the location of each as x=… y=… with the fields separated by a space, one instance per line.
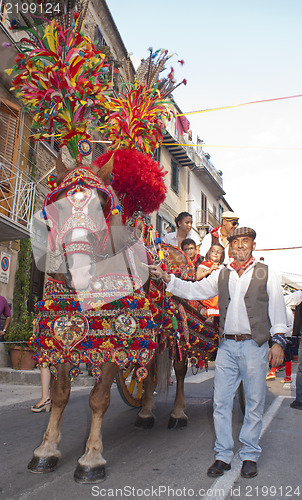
x=95 y=310
x=100 y=306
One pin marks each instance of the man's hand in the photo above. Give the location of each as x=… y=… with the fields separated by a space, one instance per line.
x=159 y=273
x=276 y=355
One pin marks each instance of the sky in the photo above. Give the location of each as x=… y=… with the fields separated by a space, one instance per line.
x=237 y=51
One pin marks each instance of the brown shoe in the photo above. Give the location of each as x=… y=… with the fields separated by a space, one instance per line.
x=218 y=468
x=249 y=469
x=296 y=404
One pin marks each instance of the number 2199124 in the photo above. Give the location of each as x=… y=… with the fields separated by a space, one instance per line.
x=31 y=8
x=272 y=491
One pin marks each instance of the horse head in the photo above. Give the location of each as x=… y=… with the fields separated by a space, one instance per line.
x=79 y=211
x=86 y=230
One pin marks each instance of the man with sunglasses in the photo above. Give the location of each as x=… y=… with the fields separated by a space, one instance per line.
x=229 y=221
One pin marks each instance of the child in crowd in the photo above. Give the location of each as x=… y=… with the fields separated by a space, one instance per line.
x=188 y=246
x=213 y=260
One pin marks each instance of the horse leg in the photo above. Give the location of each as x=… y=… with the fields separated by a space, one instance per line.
x=91 y=465
x=178 y=418
x=145 y=417
x=47 y=455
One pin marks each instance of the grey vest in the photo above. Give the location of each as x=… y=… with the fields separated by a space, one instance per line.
x=256 y=302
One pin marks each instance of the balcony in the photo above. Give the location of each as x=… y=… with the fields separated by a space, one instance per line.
x=205 y=219
x=188 y=156
x=17 y=198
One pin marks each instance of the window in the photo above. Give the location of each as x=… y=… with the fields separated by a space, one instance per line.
x=157 y=154
x=220 y=212
x=9 y=131
x=159 y=224
x=162 y=223
x=204 y=208
x=174 y=176
x=99 y=149
x=9 y=147
x=99 y=38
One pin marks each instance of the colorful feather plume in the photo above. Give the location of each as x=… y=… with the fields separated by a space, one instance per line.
x=136 y=118
x=62 y=79
x=135 y=124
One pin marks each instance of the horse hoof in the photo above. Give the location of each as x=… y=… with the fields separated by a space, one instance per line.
x=41 y=465
x=85 y=474
x=177 y=423
x=144 y=423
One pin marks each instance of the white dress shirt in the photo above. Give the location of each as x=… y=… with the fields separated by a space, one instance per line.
x=293 y=299
x=236 y=321
x=171 y=238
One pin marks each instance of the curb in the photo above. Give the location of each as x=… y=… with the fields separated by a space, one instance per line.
x=32 y=377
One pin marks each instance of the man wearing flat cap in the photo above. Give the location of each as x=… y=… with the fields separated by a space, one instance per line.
x=229 y=220
x=251 y=310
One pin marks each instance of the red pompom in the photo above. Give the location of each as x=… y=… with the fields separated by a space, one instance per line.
x=137 y=180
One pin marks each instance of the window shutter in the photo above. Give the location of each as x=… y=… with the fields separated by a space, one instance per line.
x=9 y=132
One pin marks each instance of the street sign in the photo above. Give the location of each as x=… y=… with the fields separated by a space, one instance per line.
x=5 y=266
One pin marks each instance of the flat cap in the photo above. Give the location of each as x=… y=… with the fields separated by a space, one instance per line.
x=242 y=231
x=229 y=215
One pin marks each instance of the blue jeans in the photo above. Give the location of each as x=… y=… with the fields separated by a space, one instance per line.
x=299 y=376
x=237 y=361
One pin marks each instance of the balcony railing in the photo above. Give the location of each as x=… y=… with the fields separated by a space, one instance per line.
x=192 y=151
x=17 y=195
x=206 y=218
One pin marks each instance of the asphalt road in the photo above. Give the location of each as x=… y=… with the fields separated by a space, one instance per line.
x=157 y=463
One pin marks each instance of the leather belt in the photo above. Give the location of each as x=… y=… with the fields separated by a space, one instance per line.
x=238 y=338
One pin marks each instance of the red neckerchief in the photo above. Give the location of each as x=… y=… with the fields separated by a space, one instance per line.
x=215 y=232
x=207 y=263
x=244 y=266
x=196 y=259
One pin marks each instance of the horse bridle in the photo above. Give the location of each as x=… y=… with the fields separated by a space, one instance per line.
x=79 y=185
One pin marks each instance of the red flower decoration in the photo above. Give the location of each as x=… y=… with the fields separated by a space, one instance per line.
x=137 y=180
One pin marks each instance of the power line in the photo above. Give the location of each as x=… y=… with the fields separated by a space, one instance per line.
x=185 y=144
x=238 y=105
x=271 y=249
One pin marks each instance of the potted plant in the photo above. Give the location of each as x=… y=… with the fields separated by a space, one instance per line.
x=18 y=335
x=21 y=327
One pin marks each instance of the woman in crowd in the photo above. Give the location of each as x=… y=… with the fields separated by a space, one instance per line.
x=184 y=230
